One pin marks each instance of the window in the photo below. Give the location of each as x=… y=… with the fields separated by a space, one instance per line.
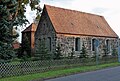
x=93 y=44
x=49 y=43
x=77 y=44
x=108 y=45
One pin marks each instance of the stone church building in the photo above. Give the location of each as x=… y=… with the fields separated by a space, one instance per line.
x=71 y=29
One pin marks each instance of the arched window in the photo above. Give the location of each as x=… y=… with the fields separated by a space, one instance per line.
x=108 y=45
x=93 y=44
x=77 y=44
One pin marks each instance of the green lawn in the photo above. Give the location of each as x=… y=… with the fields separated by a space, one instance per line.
x=57 y=73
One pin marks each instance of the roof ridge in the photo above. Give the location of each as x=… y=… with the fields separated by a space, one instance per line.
x=29 y=27
x=74 y=10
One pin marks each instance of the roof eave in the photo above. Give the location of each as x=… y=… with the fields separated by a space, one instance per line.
x=87 y=35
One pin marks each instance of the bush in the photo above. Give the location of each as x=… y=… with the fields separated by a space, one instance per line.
x=57 y=54
x=83 y=53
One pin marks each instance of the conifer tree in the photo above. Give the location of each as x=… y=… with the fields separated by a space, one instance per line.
x=83 y=53
x=12 y=13
x=114 y=52
x=72 y=53
x=7 y=11
x=58 y=54
x=105 y=51
x=42 y=52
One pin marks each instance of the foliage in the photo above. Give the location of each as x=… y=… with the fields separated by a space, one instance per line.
x=6 y=53
x=19 y=52
x=105 y=51
x=83 y=53
x=57 y=54
x=7 y=11
x=72 y=53
x=12 y=13
x=42 y=52
x=21 y=9
x=114 y=52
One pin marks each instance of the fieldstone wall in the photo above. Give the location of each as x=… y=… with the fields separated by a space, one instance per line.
x=45 y=31
x=67 y=42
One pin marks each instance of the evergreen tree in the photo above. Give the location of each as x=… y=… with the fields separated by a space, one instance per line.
x=7 y=10
x=105 y=51
x=83 y=53
x=12 y=13
x=57 y=54
x=19 y=52
x=114 y=52
x=72 y=53
x=42 y=52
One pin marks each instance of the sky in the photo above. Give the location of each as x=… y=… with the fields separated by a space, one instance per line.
x=110 y=9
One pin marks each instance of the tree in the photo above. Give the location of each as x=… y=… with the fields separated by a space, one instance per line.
x=72 y=53
x=12 y=13
x=7 y=10
x=105 y=49
x=57 y=54
x=83 y=53
x=42 y=52
x=114 y=52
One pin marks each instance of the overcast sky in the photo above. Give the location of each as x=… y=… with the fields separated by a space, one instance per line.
x=110 y=9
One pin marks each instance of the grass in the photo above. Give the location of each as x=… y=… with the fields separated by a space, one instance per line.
x=57 y=73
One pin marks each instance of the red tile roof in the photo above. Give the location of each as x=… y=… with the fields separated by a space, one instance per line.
x=30 y=28
x=67 y=21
